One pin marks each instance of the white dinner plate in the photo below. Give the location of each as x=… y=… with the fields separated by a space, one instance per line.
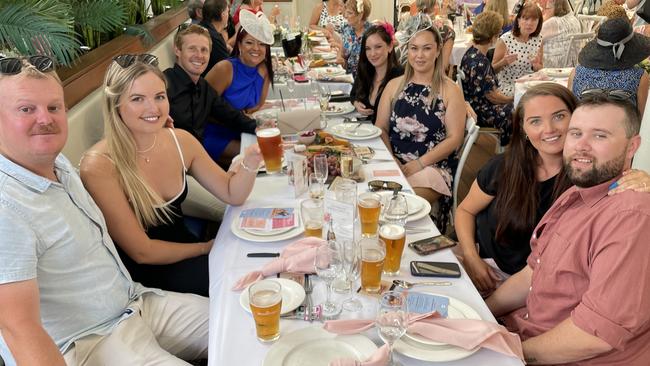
x=329 y=71
x=562 y=72
x=326 y=55
x=259 y=232
x=338 y=108
x=292 y=295
x=314 y=346
x=350 y=131
x=420 y=348
x=418 y=207
x=274 y=236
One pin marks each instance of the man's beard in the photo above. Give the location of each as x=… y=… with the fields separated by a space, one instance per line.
x=597 y=174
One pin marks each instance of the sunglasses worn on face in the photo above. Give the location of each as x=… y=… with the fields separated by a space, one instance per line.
x=382 y=185
x=13 y=66
x=128 y=60
x=615 y=94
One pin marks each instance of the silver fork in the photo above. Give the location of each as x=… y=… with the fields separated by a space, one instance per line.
x=308 y=303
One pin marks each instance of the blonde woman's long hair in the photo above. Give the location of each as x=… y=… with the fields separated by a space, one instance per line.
x=500 y=7
x=438 y=77
x=146 y=203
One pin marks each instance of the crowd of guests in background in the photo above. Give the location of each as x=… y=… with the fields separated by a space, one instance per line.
x=124 y=215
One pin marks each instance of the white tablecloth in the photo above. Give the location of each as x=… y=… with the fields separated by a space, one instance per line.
x=232 y=331
x=461 y=45
x=522 y=87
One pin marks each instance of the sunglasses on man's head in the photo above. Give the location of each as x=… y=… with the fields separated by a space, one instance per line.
x=13 y=65
x=128 y=60
x=615 y=94
x=382 y=185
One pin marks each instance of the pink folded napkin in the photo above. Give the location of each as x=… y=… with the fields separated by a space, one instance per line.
x=464 y=333
x=295 y=257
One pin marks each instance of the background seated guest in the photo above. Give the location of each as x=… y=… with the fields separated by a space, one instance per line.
x=65 y=296
x=611 y=10
x=556 y=31
x=512 y=192
x=444 y=26
x=480 y=85
x=501 y=7
x=520 y=51
x=377 y=66
x=328 y=17
x=422 y=117
x=585 y=291
x=356 y=12
x=243 y=79
x=194 y=104
x=215 y=20
x=195 y=10
x=137 y=177
x=609 y=62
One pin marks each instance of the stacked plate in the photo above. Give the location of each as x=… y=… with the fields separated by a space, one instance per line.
x=315 y=346
x=292 y=295
x=264 y=236
x=356 y=131
x=562 y=72
x=418 y=207
x=418 y=347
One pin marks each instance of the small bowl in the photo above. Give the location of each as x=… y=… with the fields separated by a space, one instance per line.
x=306 y=139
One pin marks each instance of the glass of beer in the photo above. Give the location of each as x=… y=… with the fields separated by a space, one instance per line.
x=270 y=142
x=373 y=253
x=393 y=232
x=265 y=298
x=369 y=205
x=313 y=215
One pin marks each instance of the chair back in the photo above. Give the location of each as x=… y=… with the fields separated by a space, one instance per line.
x=576 y=43
x=556 y=49
x=460 y=76
x=590 y=23
x=471 y=134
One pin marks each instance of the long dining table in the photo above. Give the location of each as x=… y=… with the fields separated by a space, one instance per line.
x=232 y=339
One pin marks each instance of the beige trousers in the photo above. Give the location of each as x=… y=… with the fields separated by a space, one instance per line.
x=164 y=330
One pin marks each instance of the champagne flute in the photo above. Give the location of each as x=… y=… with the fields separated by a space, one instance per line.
x=324 y=98
x=328 y=266
x=392 y=320
x=291 y=84
x=320 y=168
x=351 y=254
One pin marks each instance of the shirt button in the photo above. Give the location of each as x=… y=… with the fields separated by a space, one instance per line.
x=538 y=260
x=526 y=316
x=530 y=288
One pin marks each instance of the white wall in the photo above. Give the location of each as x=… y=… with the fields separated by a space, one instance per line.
x=642 y=156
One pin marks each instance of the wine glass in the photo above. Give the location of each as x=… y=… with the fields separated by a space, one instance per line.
x=320 y=168
x=351 y=255
x=328 y=266
x=291 y=84
x=392 y=320
x=324 y=98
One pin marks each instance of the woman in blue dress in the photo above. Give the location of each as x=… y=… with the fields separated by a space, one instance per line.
x=243 y=79
x=422 y=116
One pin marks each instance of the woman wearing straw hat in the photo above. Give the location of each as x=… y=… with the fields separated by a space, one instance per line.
x=608 y=62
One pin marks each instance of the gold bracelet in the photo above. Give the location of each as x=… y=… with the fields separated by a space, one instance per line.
x=420 y=163
x=241 y=162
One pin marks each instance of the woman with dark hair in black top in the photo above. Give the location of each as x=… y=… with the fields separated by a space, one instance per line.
x=377 y=66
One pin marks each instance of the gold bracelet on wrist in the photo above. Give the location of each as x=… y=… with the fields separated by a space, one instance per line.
x=247 y=168
x=420 y=163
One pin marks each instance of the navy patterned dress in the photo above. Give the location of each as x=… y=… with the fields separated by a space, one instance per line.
x=416 y=126
x=480 y=79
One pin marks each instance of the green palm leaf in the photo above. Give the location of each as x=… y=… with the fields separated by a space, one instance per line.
x=101 y=16
x=39 y=27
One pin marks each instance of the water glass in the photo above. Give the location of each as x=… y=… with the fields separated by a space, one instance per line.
x=320 y=167
x=392 y=320
x=265 y=299
x=316 y=188
x=291 y=86
x=328 y=266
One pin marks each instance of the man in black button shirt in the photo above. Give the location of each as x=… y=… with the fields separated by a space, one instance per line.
x=193 y=103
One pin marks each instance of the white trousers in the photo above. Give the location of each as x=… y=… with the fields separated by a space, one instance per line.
x=164 y=330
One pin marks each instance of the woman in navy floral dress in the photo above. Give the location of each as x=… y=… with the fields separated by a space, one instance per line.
x=480 y=84
x=422 y=117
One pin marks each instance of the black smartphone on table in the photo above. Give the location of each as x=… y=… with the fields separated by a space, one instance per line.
x=430 y=245
x=435 y=269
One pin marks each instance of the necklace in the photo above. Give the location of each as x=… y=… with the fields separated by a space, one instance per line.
x=146 y=158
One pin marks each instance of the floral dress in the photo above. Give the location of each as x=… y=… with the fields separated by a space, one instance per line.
x=352 y=47
x=526 y=51
x=416 y=126
x=479 y=81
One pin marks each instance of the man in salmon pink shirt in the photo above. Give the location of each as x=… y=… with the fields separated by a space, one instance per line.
x=584 y=296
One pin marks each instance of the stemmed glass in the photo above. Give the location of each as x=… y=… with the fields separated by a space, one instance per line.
x=324 y=98
x=392 y=320
x=328 y=267
x=320 y=168
x=351 y=254
x=291 y=84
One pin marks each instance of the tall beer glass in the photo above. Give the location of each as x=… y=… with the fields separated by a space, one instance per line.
x=265 y=299
x=394 y=236
x=270 y=142
x=369 y=205
x=373 y=253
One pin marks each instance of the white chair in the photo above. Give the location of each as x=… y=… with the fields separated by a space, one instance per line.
x=556 y=49
x=576 y=43
x=471 y=134
x=590 y=23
